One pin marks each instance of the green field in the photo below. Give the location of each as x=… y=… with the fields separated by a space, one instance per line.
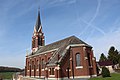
x=6 y=75
x=114 y=76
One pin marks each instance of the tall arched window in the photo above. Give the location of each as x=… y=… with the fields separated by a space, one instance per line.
x=32 y=64
x=89 y=60
x=33 y=43
x=42 y=63
x=77 y=59
x=28 y=65
x=37 y=64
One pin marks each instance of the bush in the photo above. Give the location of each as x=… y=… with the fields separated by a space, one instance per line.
x=105 y=72
x=1 y=77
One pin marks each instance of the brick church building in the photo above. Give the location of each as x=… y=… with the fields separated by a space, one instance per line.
x=64 y=59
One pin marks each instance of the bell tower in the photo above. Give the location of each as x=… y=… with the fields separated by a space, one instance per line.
x=38 y=35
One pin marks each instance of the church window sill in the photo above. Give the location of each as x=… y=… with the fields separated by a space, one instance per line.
x=78 y=67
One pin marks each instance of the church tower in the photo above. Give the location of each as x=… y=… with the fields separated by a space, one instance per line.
x=38 y=35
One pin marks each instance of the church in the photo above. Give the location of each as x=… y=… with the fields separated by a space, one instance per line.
x=69 y=58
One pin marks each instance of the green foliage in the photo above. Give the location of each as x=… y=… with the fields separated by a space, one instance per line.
x=105 y=72
x=6 y=75
x=114 y=76
x=102 y=58
x=9 y=69
x=113 y=55
x=119 y=59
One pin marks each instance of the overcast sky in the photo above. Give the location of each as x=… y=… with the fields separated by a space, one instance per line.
x=97 y=22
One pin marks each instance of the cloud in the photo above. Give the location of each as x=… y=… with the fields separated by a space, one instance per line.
x=94 y=27
x=103 y=43
x=93 y=18
x=55 y=3
x=115 y=25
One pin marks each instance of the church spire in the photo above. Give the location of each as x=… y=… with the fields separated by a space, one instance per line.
x=38 y=22
x=38 y=35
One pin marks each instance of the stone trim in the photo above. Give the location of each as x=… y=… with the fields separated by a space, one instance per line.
x=67 y=77
x=58 y=68
x=78 y=67
x=39 y=28
x=86 y=58
x=93 y=58
x=43 y=52
x=69 y=70
x=37 y=70
x=37 y=76
x=94 y=75
x=73 y=45
x=51 y=75
x=42 y=76
x=42 y=69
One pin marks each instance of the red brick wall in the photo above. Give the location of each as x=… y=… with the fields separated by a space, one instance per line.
x=85 y=71
x=35 y=58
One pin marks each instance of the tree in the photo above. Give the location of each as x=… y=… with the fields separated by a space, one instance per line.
x=119 y=59
x=113 y=55
x=102 y=58
x=105 y=72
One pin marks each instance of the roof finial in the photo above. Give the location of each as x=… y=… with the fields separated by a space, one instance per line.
x=38 y=22
x=38 y=10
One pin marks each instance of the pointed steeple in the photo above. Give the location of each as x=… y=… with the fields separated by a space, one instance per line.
x=38 y=35
x=38 y=22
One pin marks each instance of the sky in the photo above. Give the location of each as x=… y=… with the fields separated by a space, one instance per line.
x=96 y=22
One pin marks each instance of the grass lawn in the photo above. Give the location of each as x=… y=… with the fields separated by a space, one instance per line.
x=114 y=76
x=6 y=75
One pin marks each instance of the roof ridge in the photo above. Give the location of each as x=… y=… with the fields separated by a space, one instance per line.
x=60 y=40
x=61 y=44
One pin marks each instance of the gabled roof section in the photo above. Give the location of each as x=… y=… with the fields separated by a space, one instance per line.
x=61 y=44
x=38 y=22
x=105 y=63
x=60 y=48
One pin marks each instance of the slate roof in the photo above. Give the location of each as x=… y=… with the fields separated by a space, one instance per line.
x=38 y=22
x=61 y=46
x=105 y=63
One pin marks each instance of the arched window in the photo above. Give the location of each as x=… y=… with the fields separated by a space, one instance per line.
x=51 y=71
x=28 y=65
x=32 y=64
x=37 y=64
x=42 y=63
x=39 y=41
x=89 y=59
x=77 y=59
x=33 y=43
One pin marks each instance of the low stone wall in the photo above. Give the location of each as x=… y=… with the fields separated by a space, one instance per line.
x=117 y=70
